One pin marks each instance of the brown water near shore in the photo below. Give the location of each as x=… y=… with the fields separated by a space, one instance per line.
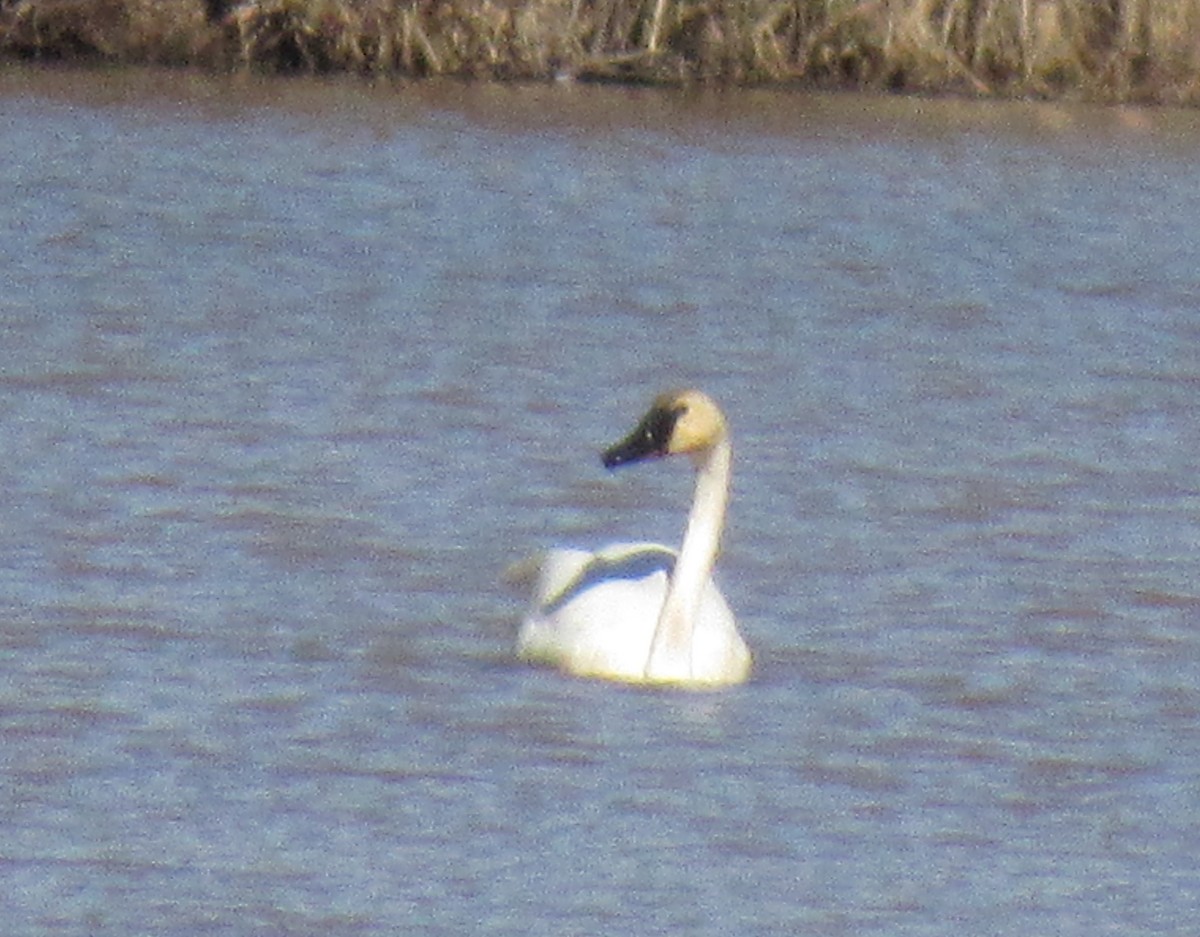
x=293 y=370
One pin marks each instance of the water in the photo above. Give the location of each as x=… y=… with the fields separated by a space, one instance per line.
x=292 y=371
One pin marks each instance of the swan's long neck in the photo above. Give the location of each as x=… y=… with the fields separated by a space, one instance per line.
x=671 y=650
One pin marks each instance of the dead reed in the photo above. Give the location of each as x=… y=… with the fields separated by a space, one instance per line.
x=1120 y=50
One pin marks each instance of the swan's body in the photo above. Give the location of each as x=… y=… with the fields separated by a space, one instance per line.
x=640 y=612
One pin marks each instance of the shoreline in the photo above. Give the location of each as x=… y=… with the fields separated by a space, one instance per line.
x=1108 y=51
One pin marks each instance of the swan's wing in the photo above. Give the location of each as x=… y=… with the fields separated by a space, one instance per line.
x=627 y=562
x=594 y=613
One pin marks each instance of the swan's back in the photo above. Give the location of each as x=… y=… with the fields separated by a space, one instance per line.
x=594 y=615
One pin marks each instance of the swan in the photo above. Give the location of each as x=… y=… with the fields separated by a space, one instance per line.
x=640 y=612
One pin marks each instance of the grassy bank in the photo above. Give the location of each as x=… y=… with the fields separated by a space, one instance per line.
x=1119 y=50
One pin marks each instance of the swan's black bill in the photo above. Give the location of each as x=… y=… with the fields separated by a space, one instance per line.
x=650 y=440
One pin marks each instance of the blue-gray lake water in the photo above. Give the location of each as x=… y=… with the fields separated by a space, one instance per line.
x=292 y=371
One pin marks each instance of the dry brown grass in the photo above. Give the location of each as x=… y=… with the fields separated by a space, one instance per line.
x=1099 y=49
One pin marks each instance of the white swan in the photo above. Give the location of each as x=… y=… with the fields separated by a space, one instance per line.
x=640 y=612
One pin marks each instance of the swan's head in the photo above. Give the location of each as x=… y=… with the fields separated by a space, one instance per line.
x=678 y=422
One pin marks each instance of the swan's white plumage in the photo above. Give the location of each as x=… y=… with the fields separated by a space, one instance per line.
x=641 y=612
